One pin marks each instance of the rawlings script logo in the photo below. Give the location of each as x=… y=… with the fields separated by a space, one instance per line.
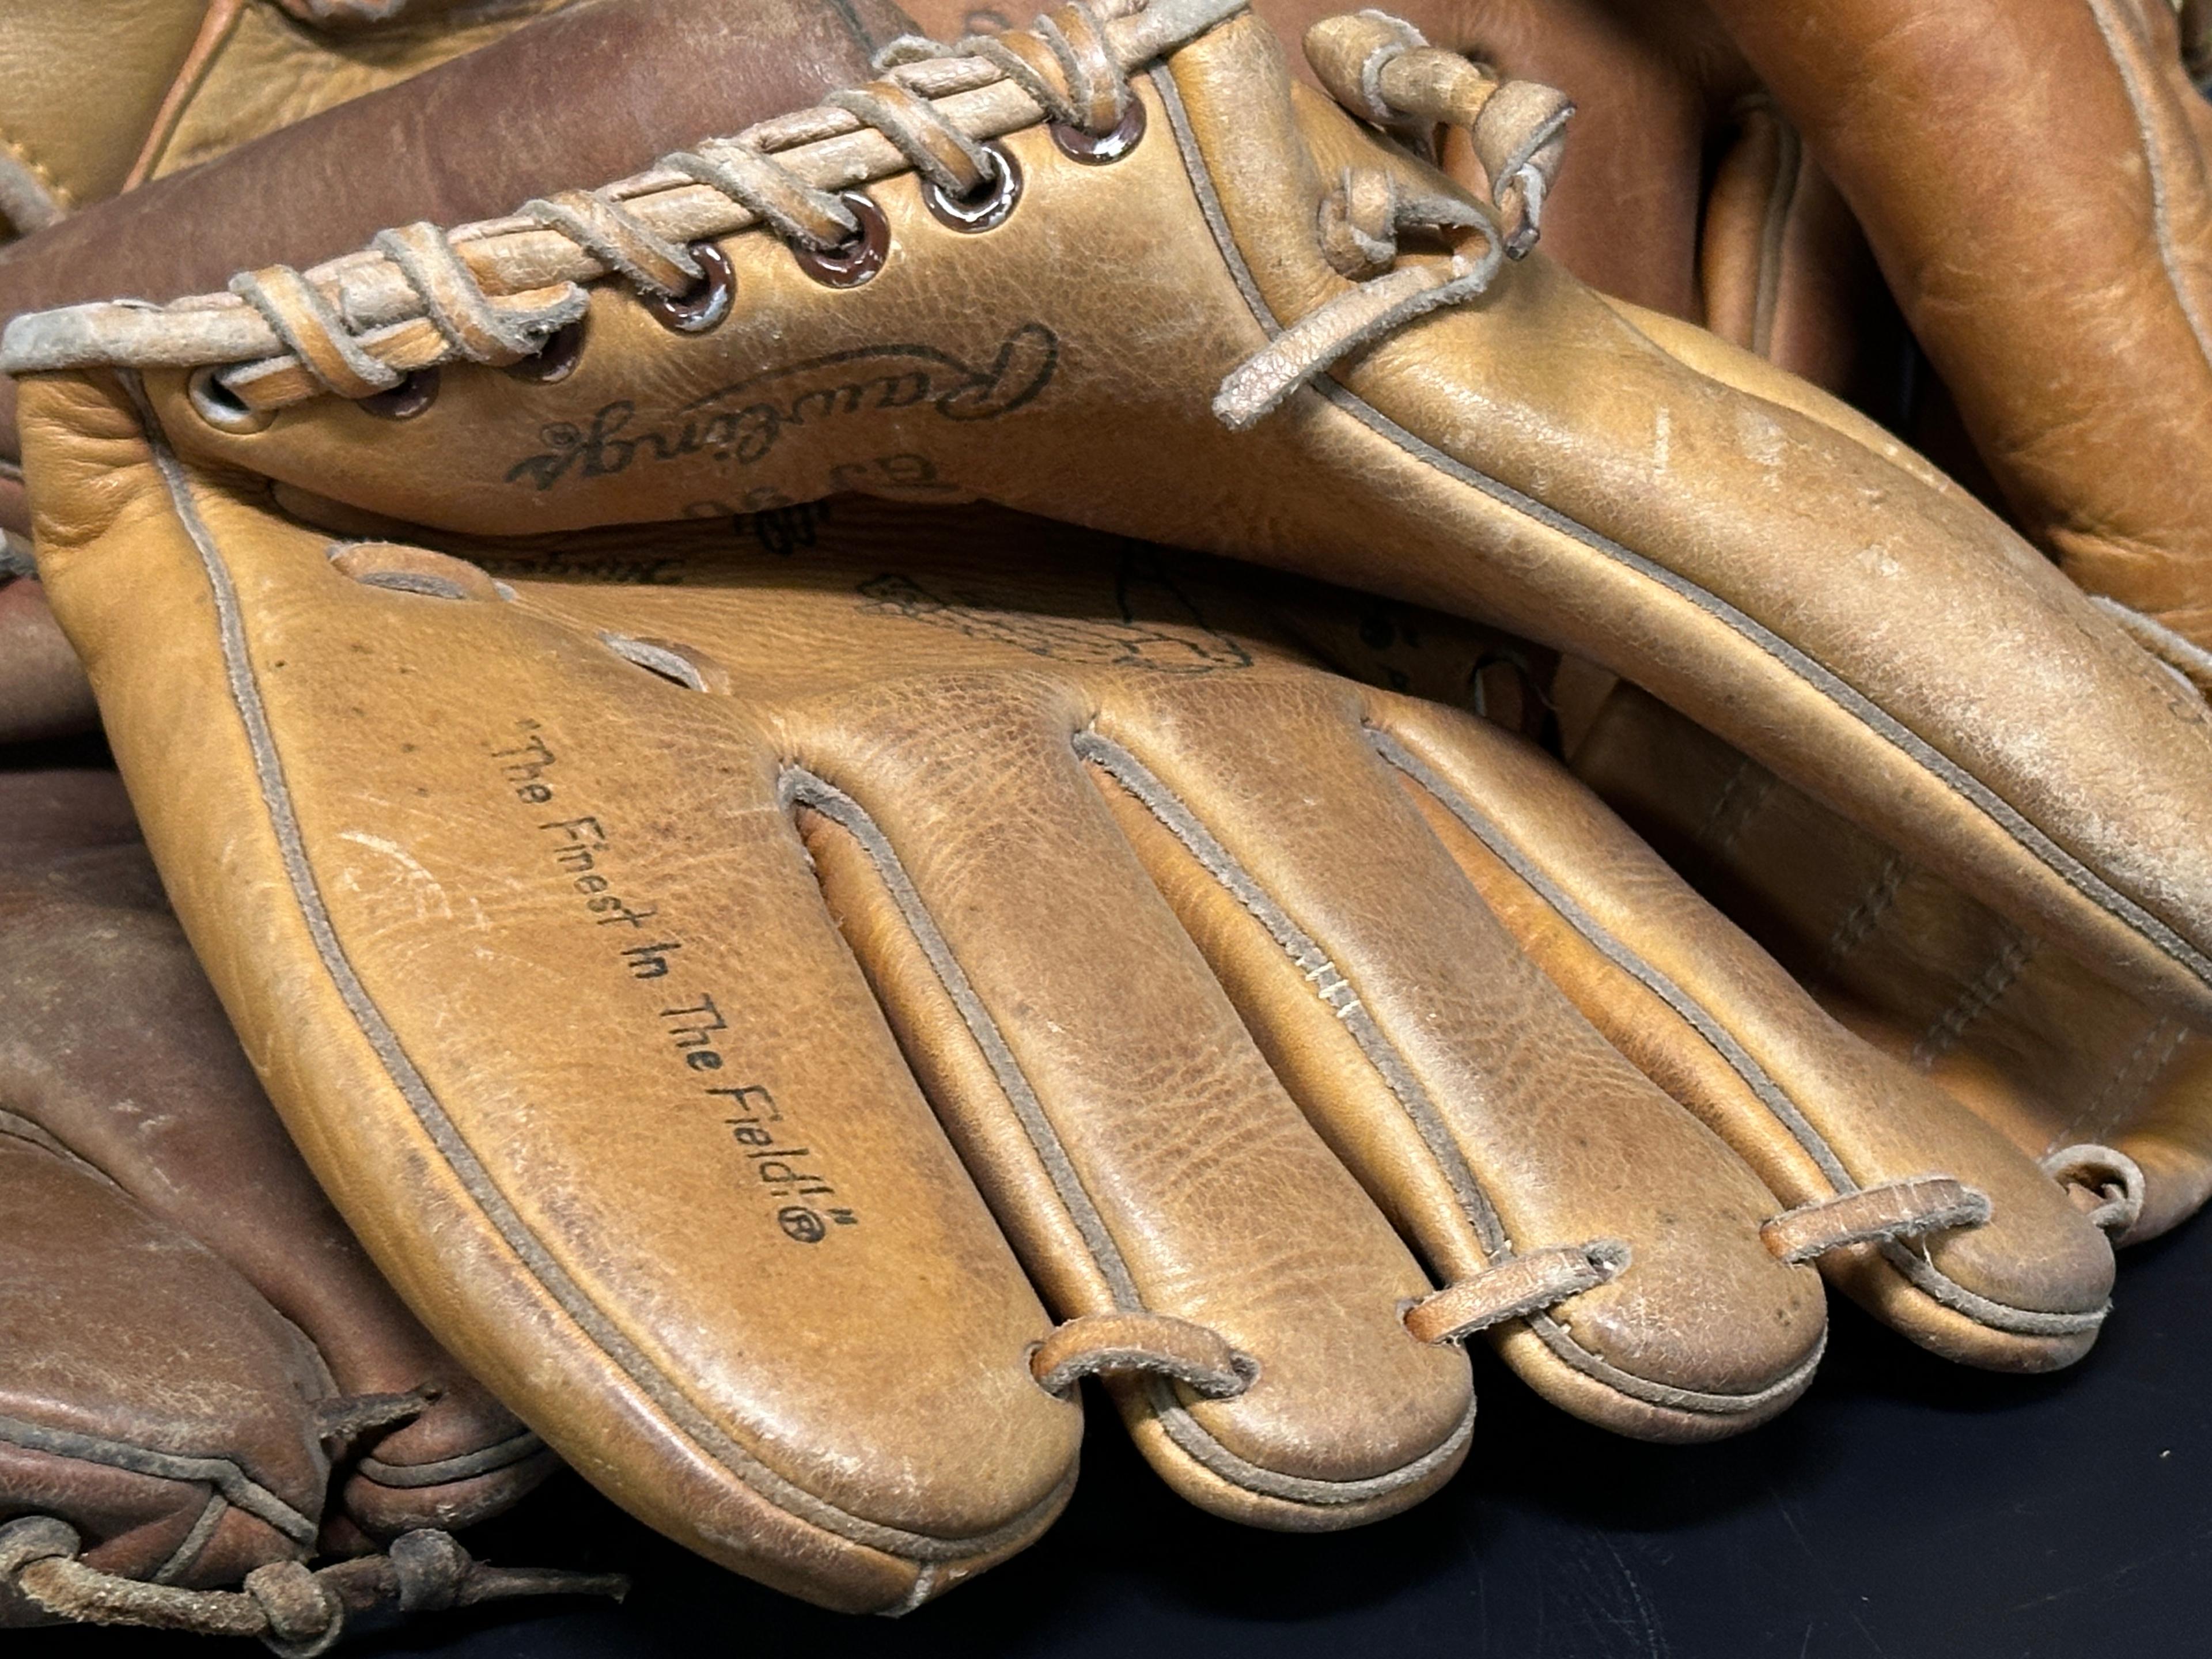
x=743 y=421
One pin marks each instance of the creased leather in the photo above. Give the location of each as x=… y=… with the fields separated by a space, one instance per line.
x=180 y=1301
x=376 y=774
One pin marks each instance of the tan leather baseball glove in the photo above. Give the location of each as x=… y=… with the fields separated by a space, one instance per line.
x=503 y=867
x=202 y=1381
x=2020 y=164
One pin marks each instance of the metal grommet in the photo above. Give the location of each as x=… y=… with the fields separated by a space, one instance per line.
x=706 y=303
x=221 y=408
x=856 y=259
x=406 y=400
x=554 y=361
x=1097 y=150
x=988 y=206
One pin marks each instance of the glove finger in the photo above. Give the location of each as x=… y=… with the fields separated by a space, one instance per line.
x=1489 y=1118
x=1821 y=1114
x=149 y=1397
x=1131 y=1137
x=2052 y=1056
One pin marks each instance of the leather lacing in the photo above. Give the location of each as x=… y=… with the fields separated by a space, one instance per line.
x=296 y=1612
x=497 y=292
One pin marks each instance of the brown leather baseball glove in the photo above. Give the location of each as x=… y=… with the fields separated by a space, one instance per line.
x=503 y=865
x=98 y=100
x=202 y=1381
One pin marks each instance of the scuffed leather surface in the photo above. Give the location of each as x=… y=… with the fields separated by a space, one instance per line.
x=176 y=1282
x=2049 y=1055
x=2033 y=179
x=440 y=753
x=1912 y=596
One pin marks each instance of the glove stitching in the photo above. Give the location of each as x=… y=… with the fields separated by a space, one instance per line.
x=1922 y=1273
x=230 y=1481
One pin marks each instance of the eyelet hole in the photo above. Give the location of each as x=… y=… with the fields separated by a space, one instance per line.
x=704 y=305
x=406 y=400
x=854 y=261
x=985 y=208
x=1098 y=151
x=554 y=361
x=221 y=408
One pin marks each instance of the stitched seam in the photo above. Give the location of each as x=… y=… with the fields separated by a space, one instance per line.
x=1685 y=1007
x=1789 y=173
x=516 y=1449
x=1817 y=675
x=220 y=1472
x=1305 y=952
x=430 y=1114
x=1863 y=916
x=1988 y=987
x=802 y=788
x=1925 y=1276
x=1174 y=1418
x=59 y=197
x=2128 y=1085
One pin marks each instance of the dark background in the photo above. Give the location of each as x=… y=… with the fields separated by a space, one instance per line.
x=1906 y=1509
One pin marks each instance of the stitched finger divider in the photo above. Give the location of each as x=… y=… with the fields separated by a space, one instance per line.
x=1901 y=1209
x=1092 y=1345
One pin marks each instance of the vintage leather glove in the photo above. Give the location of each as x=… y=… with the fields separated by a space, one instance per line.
x=1485 y=436
x=98 y=100
x=285 y=721
x=202 y=1381
x=606 y=908
x=1683 y=189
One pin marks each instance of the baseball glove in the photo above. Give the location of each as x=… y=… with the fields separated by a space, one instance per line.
x=502 y=865
x=98 y=100
x=201 y=1379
